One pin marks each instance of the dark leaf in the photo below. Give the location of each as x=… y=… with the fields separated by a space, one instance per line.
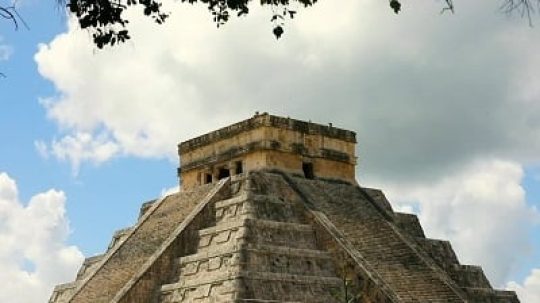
x=292 y=13
x=278 y=31
x=395 y=5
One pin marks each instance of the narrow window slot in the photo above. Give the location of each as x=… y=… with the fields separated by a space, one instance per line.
x=223 y=173
x=308 y=170
x=239 y=167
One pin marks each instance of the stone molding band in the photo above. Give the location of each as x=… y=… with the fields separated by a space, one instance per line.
x=269 y=121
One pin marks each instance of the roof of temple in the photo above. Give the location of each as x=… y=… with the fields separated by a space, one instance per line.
x=265 y=119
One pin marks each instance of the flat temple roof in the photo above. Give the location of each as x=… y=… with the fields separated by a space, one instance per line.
x=267 y=120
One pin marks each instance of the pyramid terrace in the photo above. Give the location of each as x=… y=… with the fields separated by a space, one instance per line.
x=269 y=211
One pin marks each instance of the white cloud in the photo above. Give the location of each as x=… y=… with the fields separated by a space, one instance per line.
x=5 y=51
x=80 y=147
x=33 y=255
x=169 y=191
x=440 y=95
x=529 y=292
x=42 y=148
x=481 y=210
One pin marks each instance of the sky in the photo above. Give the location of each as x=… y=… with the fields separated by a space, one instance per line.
x=446 y=108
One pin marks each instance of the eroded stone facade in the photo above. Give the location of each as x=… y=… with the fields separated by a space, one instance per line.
x=274 y=234
x=268 y=142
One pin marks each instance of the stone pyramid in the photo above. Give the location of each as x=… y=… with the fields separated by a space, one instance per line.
x=260 y=221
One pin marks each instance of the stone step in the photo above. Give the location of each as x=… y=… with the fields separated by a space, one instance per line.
x=256 y=231
x=238 y=273
x=440 y=251
x=391 y=255
x=280 y=259
x=469 y=276
x=410 y=224
x=484 y=295
x=126 y=258
x=291 y=288
x=231 y=208
x=293 y=235
x=145 y=207
x=380 y=200
x=272 y=287
x=88 y=266
x=223 y=234
x=257 y=258
x=119 y=236
x=218 y=291
x=255 y=206
x=413 y=281
x=63 y=292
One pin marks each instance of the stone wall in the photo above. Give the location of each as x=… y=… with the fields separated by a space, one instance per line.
x=269 y=142
x=267 y=120
x=269 y=236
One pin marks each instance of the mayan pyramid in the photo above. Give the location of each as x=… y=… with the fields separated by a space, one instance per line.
x=270 y=211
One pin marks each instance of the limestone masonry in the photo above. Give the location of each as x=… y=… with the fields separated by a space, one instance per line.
x=268 y=142
x=270 y=211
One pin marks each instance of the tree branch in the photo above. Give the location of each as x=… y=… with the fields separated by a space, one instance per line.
x=10 y=13
x=449 y=6
x=524 y=7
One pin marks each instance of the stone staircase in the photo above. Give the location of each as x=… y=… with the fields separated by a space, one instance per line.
x=258 y=251
x=387 y=252
x=418 y=269
x=270 y=237
x=101 y=277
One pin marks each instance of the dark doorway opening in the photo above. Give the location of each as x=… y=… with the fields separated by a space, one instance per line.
x=208 y=178
x=308 y=170
x=223 y=173
x=239 y=168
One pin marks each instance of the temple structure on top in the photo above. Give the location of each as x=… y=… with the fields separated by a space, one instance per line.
x=269 y=142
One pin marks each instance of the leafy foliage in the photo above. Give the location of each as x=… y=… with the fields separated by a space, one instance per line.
x=106 y=21
x=105 y=18
x=395 y=5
